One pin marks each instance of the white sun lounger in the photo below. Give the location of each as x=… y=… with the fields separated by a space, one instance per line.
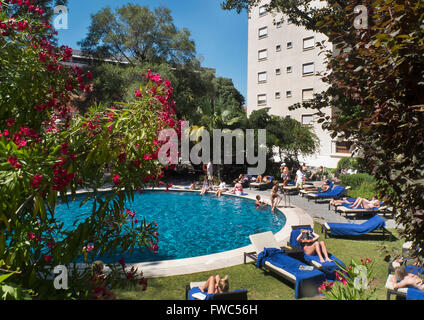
x=263 y=240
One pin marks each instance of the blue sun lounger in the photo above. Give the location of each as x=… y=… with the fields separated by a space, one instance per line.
x=306 y=281
x=335 y=193
x=269 y=255
x=349 y=210
x=375 y=224
x=328 y=268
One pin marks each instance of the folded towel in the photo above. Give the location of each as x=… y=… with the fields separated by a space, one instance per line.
x=197 y=290
x=342 y=229
x=278 y=258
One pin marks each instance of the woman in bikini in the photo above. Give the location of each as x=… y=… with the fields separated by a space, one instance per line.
x=366 y=204
x=313 y=246
x=275 y=197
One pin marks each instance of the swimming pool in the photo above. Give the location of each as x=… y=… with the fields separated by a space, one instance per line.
x=189 y=224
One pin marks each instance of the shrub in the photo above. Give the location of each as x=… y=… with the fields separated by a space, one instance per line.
x=355 y=181
x=46 y=152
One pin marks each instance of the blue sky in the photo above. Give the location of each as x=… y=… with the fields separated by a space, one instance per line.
x=220 y=36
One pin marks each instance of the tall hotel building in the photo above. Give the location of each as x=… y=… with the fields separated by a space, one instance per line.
x=283 y=62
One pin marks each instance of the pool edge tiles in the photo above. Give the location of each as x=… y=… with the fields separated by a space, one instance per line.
x=294 y=216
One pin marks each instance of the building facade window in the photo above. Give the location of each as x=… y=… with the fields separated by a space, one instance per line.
x=289 y=45
x=278 y=24
x=277 y=95
x=289 y=69
x=343 y=146
x=288 y=94
x=278 y=71
x=263 y=54
x=261 y=99
x=307 y=94
x=308 y=43
x=278 y=47
x=263 y=32
x=262 y=77
x=308 y=68
x=307 y=119
x=262 y=11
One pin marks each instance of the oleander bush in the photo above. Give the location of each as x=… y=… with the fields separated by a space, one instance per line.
x=47 y=152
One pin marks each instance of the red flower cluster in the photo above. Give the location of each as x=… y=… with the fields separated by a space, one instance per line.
x=35 y=183
x=62 y=177
x=14 y=162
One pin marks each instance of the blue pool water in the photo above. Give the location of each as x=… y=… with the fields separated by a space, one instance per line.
x=189 y=224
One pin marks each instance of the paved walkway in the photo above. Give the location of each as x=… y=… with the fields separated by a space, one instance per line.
x=318 y=211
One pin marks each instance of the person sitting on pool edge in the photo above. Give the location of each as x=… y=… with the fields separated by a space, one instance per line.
x=205 y=187
x=216 y=285
x=238 y=188
x=221 y=188
x=259 y=204
x=311 y=246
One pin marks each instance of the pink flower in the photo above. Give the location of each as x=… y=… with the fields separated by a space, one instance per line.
x=138 y=93
x=31 y=236
x=47 y=258
x=10 y=122
x=90 y=247
x=14 y=162
x=116 y=180
x=50 y=244
x=122 y=262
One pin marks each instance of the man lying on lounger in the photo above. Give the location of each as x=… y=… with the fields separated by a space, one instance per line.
x=311 y=246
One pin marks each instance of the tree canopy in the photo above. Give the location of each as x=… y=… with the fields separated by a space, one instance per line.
x=136 y=33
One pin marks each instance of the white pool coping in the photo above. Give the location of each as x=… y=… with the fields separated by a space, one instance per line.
x=154 y=269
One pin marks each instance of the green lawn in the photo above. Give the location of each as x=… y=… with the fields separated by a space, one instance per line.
x=262 y=285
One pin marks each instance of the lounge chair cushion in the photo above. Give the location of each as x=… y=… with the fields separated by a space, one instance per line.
x=414 y=294
x=337 y=191
x=351 y=229
x=305 y=279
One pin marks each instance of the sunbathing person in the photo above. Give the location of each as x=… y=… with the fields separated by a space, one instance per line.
x=402 y=279
x=319 y=172
x=310 y=244
x=215 y=285
x=259 y=204
x=221 y=188
x=101 y=290
x=335 y=202
x=275 y=197
x=193 y=186
x=323 y=188
x=366 y=204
